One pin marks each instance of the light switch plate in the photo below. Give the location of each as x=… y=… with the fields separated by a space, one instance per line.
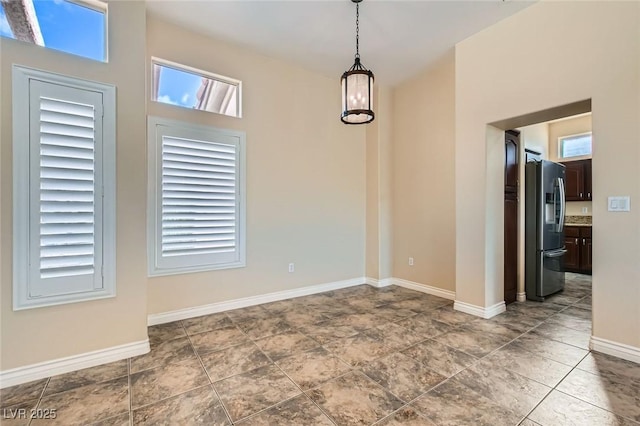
x=619 y=204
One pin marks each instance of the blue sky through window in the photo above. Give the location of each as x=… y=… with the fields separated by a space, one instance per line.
x=67 y=26
x=178 y=87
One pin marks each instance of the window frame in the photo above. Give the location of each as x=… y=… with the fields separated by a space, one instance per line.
x=191 y=70
x=561 y=140
x=21 y=77
x=154 y=196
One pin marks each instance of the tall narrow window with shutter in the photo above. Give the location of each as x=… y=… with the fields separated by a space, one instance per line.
x=64 y=179
x=196 y=206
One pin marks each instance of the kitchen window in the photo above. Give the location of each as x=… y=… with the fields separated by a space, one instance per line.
x=63 y=189
x=574 y=145
x=196 y=198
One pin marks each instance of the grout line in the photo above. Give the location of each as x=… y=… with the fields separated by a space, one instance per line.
x=130 y=392
x=215 y=391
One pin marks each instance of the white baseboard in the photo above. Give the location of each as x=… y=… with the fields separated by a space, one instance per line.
x=479 y=311
x=620 y=350
x=45 y=369
x=521 y=297
x=424 y=288
x=212 y=308
x=378 y=283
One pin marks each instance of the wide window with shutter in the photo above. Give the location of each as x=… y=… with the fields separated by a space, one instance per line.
x=196 y=206
x=64 y=176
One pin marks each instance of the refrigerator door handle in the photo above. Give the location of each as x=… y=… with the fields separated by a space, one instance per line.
x=556 y=253
x=562 y=204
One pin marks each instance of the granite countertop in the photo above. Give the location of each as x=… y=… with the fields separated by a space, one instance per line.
x=577 y=220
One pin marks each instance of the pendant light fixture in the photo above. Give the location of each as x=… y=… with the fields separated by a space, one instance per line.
x=357 y=87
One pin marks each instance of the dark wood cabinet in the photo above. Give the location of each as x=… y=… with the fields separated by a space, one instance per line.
x=578 y=242
x=578 y=180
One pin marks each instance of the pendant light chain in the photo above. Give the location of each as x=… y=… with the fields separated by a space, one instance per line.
x=357 y=30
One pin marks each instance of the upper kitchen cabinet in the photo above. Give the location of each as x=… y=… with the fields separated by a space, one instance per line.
x=578 y=180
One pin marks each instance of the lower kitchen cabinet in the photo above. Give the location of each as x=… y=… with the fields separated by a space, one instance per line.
x=578 y=242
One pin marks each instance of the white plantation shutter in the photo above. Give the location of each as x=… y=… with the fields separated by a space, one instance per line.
x=198 y=208
x=64 y=222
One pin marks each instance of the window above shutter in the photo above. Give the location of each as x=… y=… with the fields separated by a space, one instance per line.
x=197 y=209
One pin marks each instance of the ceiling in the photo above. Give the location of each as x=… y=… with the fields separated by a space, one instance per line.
x=397 y=38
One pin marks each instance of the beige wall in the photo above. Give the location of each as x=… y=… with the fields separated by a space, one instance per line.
x=379 y=176
x=41 y=334
x=536 y=138
x=423 y=177
x=306 y=189
x=588 y=50
x=570 y=126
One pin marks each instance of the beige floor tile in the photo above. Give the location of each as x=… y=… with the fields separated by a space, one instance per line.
x=17 y=415
x=265 y=327
x=470 y=341
x=452 y=403
x=395 y=336
x=324 y=332
x=527 y=364
x=167 y=352
x=354 y=399
x=561 y=409
x=440 y=358
x=153 y=385
x=564 y=335
x=164 y=332
x=87 y=404
x=312 y=368
x=206 y=323
x=450 y=316
x=234 y=360
x=424 y=326
x=484 y=326
x=620 y=397
x=616 y=369
x=403 y=376
x=217 y=340
x=120 y=420
x=551 y=349
x=21 y=393
x=198 y=406
x=571 y=321
x=248 y=393
x=285 y=344
x=358 y=349
x=294 y=412
x=87 y=376
x=504 y=387
x=406 y=416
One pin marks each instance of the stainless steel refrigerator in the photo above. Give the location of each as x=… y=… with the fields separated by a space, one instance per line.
x=544 y=233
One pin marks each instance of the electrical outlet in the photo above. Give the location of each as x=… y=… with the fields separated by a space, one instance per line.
x=585 y=210
x=292 y=267
x=411 y=261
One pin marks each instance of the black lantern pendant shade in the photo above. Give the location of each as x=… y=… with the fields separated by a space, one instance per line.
x=357 y=87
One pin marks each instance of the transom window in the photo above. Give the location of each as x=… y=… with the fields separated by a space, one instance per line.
x=187 y=87
x=73 y=26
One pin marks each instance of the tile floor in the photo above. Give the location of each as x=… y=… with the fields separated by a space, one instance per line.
x=357 y=356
